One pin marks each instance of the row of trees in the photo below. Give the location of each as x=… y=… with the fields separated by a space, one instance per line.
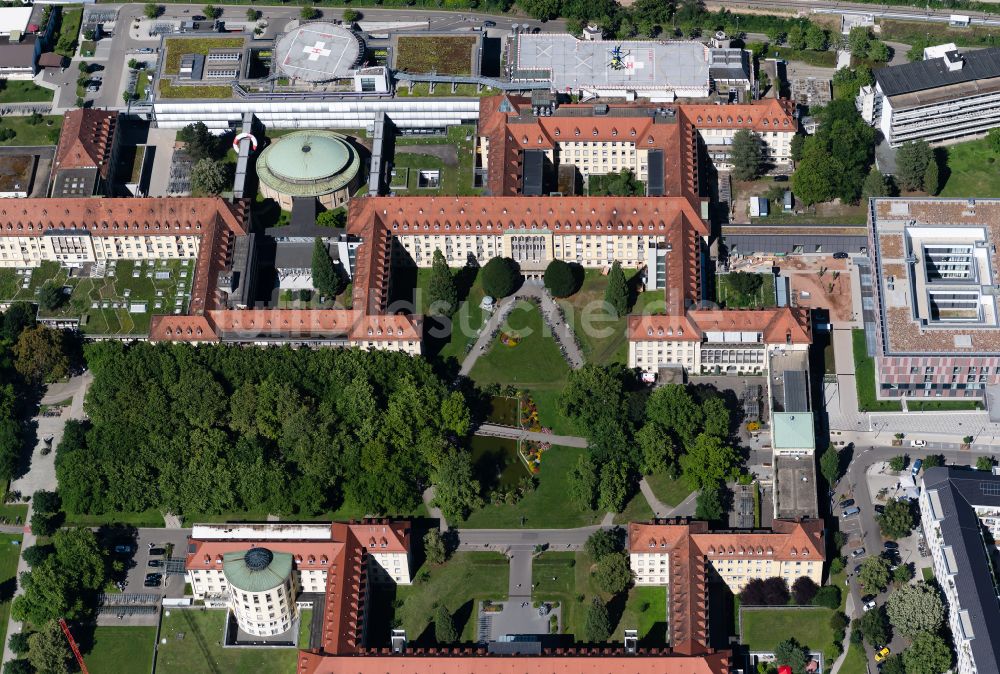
x=217 y=429
x=633 y=433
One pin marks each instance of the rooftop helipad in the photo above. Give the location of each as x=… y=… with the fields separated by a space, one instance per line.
x=318 y=52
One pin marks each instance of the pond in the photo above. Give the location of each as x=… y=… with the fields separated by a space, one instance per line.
x=496 y=463
x=503 y=411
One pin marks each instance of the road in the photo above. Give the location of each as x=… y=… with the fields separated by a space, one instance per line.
x=855 y=484
x=835 y=7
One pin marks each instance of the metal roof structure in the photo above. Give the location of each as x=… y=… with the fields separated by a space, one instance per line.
x=256 y=569
x=308 y=163
x=793 y=430
x=953 y=494
x=977 y=64
x=533 y=173
x=796 y=391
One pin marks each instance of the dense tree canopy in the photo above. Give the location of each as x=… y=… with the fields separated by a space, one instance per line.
x=442 y=294
x=874 y=574
x=897 y=520
x=562 y=279
x=747 y=155
x=594 y=398
x=612 y=573
x=598 y=625
x=836 y=159
x=912 y=160
x=616 y=294
x=500 y=277
x=65 y=584
x=622 y=184
x=928 y=654
x=41 y=354
x=791 y=653
x=326 y=278
x=215 y=429
x=709 y=461
x=765 y=592
x=915 y=608
x=874 y=627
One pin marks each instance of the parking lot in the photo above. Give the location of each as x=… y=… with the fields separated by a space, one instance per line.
x=851 y=526
x=138 y=604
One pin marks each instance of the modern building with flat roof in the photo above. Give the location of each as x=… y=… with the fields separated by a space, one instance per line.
x=657 y=70
x=936 y=271
x=956 y=507
x=950 y=94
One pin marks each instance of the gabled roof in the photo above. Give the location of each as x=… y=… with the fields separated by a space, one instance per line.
x=86 y=140
x=782 y=325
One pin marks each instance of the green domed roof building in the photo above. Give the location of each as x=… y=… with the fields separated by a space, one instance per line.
x=315 y=163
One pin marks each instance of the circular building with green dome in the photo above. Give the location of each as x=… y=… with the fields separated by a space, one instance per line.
x=261 y=590
x=319 y=164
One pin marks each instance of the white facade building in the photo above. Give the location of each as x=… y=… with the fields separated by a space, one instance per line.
x=955 y=505
x=950 y=94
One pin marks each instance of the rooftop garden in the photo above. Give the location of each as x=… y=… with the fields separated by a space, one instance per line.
x=441 y=55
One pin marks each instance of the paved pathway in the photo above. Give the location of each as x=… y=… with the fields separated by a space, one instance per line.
x=502 y=540
x=496 y=431
x=551 y=313
x=41 y=473
x=432 y=510
x=660 y=509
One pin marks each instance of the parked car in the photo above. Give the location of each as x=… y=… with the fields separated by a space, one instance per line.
x=153 y=580
x=918 y=443
x=157 y=552
x=891 y=545
x=847 y=503
x=917 y=464
x=840 y=255
x=857 y=568
x=850 y=511
x=489 y=24
x=879 y=509
x=154 y=563
x=123 y=549
x=858 y=552
x=882 y=654
x=869 y=605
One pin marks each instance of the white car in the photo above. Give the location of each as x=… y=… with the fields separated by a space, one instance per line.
x=918 y=443
x=869 y=605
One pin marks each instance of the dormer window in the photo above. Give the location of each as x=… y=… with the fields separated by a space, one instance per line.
x=557 y=133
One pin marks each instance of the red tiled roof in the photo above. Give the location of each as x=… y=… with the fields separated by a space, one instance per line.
x=767 y=115
x=86 y=140
x=777 y=326
x=783 y=537
x=170 y=328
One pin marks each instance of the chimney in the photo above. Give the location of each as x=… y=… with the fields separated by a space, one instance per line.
x=954 y=61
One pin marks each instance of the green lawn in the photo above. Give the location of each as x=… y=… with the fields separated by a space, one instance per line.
x=547 y=400
x=534 y=360
x=26 y=133
x=127 y=650
x=200 y=649
x=23 y=91
x=765 y=628
x=305 y=627
x=972 y=171
x=636 y=510
x=544 y=508
x=927 y=573
x=855 y=661
x=414 y=163
x=176 y=47
x=442 y=55
x=459 y=584
x=9 y=554
x=645 y=611
x=671 y=491
x=11 y=511
x=603 y=338
x=727 y=295
x=864 y=377
x=823 y=59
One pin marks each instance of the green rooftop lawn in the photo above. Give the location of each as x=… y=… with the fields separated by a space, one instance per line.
x=671 y=491
x=442 y=55
x=459 y=584
x=9 y=554
x=176 y=47
x=544 y=508
x=933 y=405
x=105 y=318
x=168 y=90
x=200 y=649
x=126 y=650
x=23 y=91
x=69 y=31
x=972 y=171
x=726 y=295
x=461 y=138
x=864 y=376
x=418 y=162
x=44 y=133
x=765 y=628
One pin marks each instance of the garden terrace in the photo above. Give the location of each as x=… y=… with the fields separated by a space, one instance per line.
x=440 y=54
